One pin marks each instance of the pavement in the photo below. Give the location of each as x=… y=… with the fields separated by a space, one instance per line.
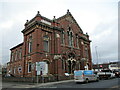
x=33 y=85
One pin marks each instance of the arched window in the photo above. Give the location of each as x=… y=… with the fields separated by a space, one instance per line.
x=46 y=43
x=16 y=55
x=63 y=64
x=69 y=67
x=86 y=52
x=20 y=53
x=30 y=45
x=12 y=56
x=77 y=45
x=29 y=67
x=62 y=37
x=70 y=37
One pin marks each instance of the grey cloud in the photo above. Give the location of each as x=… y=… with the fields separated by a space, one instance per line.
x=107 y=45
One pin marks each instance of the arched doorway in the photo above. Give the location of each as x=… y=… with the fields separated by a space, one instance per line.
x=71 y=63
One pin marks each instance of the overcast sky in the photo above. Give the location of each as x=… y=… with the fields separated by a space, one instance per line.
x=97 y=17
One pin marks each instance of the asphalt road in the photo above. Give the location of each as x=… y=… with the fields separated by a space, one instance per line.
x=111 y=83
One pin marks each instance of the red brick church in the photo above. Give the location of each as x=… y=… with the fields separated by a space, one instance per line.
x=59 y=43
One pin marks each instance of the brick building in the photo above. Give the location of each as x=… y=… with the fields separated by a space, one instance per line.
x=60 y=43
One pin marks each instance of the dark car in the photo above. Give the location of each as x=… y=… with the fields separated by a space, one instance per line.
x=117 y=72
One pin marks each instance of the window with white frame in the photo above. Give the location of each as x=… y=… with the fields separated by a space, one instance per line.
x=29 y=67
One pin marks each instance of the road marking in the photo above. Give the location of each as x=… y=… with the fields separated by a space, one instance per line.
x=116 y=86
x=83 y=84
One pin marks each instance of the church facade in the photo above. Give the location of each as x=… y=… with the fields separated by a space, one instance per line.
x=59 y=44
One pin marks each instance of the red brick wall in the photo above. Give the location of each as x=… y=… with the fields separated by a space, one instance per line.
x=55 y=47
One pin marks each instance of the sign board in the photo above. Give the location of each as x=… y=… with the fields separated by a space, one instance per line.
x=40 y=66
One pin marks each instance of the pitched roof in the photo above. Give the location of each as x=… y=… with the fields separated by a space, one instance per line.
x=69 y=15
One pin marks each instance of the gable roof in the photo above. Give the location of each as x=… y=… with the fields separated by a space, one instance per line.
x=69 y=15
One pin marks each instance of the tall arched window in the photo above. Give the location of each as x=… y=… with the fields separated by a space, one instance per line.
x=70 y=37
x=20 y=53
x=30 y=45
x=29 y=67
x=86 y=52
x=12 y=56
x=46 y=43
x=16 y=55
x=77 y=45
x=62 y=37
x=63 y=64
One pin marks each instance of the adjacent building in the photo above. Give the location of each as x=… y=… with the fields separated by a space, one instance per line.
x=111 y=66
x=59 y=43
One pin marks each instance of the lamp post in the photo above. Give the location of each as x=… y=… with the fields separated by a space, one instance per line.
x=97 y=57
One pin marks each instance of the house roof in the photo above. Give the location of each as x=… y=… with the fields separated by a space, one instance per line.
x=17 y=46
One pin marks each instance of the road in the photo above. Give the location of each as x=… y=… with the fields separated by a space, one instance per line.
x=111 y=83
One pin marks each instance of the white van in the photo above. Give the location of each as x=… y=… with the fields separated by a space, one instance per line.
x=85 y=76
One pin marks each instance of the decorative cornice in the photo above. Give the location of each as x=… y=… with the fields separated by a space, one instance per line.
x=40 y=25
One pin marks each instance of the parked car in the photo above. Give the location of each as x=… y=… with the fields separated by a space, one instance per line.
x=85 y=76
x=117 y=72
x=106 y=74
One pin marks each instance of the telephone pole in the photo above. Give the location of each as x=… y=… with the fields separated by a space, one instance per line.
x=97 y=57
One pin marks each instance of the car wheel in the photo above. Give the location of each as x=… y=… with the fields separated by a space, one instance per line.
x=86 y=80
x=97 y=79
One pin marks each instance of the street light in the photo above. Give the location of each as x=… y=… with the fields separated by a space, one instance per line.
x=97 y=57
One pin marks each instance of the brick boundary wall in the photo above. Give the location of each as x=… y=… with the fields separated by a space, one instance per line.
x=34 y=79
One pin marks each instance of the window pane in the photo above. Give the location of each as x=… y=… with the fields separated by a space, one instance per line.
x=16 y=55
x=30 y=44
x=20 y=54
x=46 y=46
x=62 y=37
x=29 y=67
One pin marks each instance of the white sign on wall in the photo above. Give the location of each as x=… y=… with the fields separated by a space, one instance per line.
x=41 y=67
x=46 y=22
